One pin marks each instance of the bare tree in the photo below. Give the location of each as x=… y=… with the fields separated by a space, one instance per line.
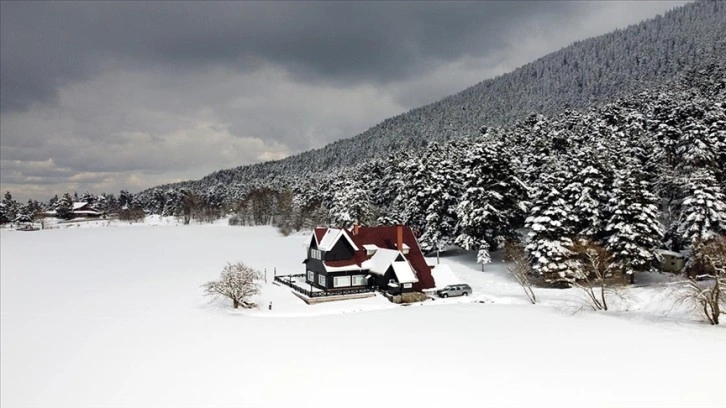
x=237 y=283
x=519 y=268
x=705 y=288
x=595 y=261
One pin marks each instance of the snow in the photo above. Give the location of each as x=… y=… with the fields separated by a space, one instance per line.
x=125 y=323
x=404 y=273
x=380 y=261
x=370 y=248
x=346 y=268
x=444 y=276
x=332 y=235
x=669 y=253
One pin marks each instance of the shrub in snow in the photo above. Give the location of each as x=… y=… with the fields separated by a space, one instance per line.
x=596 y=284
x=237 y=283
x=705 y=290
x=519 y=268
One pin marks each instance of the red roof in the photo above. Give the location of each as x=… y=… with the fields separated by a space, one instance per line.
x=385 y=237
x=320 y=233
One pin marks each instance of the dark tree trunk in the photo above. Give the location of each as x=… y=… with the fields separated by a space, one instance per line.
x=235 y=302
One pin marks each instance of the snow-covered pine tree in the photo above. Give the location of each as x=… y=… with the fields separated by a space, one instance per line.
x=350 y=204
x=551 y=224
x=25 y=214
x=8 y=208
x=442 y=196
x=633 y=231
x=125 y=199
x=587 y=195
x=492 y=205
x=64 y=208
x=703 y=211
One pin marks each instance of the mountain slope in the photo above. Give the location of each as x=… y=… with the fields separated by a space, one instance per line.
x=588 y=72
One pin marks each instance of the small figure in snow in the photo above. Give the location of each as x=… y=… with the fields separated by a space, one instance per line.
x=270 y=306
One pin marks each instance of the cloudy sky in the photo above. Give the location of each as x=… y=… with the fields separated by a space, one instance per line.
x=103 y=96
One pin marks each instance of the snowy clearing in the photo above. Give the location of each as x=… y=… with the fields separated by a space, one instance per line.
x=116 y=316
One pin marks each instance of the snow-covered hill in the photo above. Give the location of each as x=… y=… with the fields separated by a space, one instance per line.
x=116 y=316
x=589 y=72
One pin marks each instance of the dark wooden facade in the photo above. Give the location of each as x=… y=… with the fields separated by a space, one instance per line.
x=341 y=251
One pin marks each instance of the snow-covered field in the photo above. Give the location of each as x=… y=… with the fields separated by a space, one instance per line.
x=115 y=316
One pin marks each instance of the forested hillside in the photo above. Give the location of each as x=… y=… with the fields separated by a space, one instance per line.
x=587 y=73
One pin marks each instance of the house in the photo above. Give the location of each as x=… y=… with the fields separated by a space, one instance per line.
x=671 y=261
x=384 y=257
x=85 y=210
x=80 y=209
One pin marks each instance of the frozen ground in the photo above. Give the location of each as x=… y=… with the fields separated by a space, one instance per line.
x=116 y=317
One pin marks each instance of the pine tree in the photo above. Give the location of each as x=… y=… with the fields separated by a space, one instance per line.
x=442 y=196
x=703 y=212
x=350 y=204
x=491 y=206
x=634 y=231
x=64 y=208
x=551 y=231
x=9 y=208
x=587 y=195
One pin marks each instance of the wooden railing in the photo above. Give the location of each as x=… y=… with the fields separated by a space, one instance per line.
x=287 y=280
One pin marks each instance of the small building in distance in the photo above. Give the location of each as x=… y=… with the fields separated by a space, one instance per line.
x=671 y=261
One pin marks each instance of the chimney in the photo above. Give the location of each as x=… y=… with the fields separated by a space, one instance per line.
x=399 y=237
x=355 y=229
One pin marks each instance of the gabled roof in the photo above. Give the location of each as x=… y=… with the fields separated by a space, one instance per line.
x=404 y=273
x=319 y=232
x=331 y=237
x=381 y=260
x=385 y=237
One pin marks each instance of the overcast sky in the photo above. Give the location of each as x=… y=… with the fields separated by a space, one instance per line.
x=103 y=96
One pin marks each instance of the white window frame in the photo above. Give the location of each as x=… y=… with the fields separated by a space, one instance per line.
x=311 y=276
x=316 y=254
x=321 y=280
x=341 y=281
x=358 y=280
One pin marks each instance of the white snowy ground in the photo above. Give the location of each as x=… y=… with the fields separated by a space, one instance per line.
x=114 y=316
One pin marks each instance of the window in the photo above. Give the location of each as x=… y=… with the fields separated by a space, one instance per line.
x=341 y=281
x=321 y=280
x=407 y=285
x=316 y=254
x=311 y=276
x=359 y=280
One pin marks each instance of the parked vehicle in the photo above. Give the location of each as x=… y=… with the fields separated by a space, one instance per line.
x=461 y=289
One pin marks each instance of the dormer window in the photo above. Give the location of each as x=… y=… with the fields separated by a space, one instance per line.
x=370 y=249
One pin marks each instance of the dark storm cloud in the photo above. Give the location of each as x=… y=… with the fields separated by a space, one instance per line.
x=47 y=45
